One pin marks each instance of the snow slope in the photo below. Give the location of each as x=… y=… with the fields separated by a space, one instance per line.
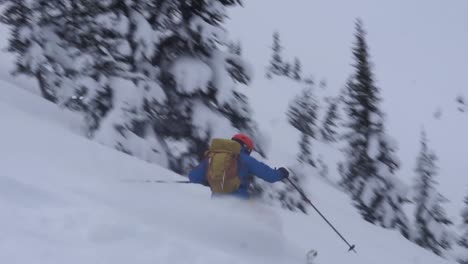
x=64 y=199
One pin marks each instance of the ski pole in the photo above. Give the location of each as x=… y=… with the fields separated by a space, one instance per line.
x=351 y=247
x=158 y=181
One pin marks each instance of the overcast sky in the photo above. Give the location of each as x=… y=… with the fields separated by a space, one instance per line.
x=414 y=44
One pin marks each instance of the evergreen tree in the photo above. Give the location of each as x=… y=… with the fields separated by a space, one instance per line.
x=235 y=48
x=238 y=111
x=370 y=166
x=462 y=105
x=364 y=117
x=82 y=57
x=329 y=127
x=297 y=70
x=129 y=126
x=127 y=62
x=309 y=80
x=431 y=220
x=289 y=196
x=463 y=241
x=322 y=167
x=205 y=105
x=384 y=195
x=276 y=63
x=302 y=113
x=287 y=69
x=43 y=57
x=305 y=154
x=120 y=78
x=98 y=108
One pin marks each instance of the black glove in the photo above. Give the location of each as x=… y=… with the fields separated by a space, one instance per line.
x=284 y=172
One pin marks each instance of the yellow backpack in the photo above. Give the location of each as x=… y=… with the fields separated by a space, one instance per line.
x=222 y=173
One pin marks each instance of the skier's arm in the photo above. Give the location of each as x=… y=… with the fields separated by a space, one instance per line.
x=262 y=170
x=197 y=175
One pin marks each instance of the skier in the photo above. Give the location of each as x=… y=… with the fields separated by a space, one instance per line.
x=228 y=166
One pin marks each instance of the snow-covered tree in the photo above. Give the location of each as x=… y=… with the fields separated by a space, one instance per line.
x=155 y=78
x=97 y=109
x=297 y=70
x=322 y=167
x=235 y=48
x=463 y=239
x=288 y=196
x=431 y=220
x=364 y=118
x=309 y=80
x=305 y=153
x=311 y=257
x=302 y=113
x=276 y=66
x=330 y=126
x=73 y=48
x=238 y=50
x=200 y=77
x=196 y=72
x=39 y=38
x=238 y=111
x=287 y=69
x=370 y=166
x=384 y=195
x=462 y=105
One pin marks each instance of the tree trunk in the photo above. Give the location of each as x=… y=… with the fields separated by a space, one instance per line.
x=43 y=87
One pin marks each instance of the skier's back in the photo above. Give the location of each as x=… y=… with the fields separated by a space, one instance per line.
x=228 y=167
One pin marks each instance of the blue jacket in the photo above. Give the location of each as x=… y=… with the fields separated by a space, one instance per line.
x=247 y=166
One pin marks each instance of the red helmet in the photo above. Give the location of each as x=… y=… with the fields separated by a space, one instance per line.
x=246 y=140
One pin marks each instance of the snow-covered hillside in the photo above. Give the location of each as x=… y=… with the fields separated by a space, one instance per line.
x=65 y=199
x=68 y=199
